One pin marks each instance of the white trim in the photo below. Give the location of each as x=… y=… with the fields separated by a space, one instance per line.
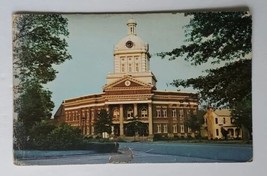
x=172 y=102
x=84 y=106
x=127 y=102
x=107 y=103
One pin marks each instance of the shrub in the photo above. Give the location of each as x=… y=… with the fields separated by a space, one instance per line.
x=65 y=137
x=106 y=147
x=157 y=137
x=38 y=135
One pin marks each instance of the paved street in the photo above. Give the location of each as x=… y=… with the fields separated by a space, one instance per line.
x=219 y=152
x=150 y=153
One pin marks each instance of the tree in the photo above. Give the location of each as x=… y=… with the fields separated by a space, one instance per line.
x=38 y=135
x=19 y=136
x=65 y=137
x=103 y=122
x=244 y=109
x=135 y=126
x=195 y=121
x=33 y=105
x=38 y=44
x=224 y=133
x=224 y=40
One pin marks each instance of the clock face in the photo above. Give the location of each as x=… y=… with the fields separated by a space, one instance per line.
x=127 y=83
x=129 y=44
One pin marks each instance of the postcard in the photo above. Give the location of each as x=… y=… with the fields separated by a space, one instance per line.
x=113 y=88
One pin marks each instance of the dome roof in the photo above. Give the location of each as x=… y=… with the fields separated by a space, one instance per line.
x=131 y=42
x=131 y=21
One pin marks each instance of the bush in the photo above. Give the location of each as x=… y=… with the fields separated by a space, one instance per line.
x=106 y=147
x=157 y=137
x=38 y=135
x=65 y=137
x=45 y=136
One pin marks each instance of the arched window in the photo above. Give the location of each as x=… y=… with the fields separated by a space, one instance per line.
x=144 y=112
x=129 y=113
x=116 y=113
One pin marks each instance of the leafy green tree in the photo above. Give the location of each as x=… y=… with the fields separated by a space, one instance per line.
x=33 y=105
x=224 y=133
x=195 y=121
x=244 y=109
x=38 y=45
x=19 y=136
x=103 y=122
x=65 y=137
x=38 y=135
x=135 y=126
x=222 y=39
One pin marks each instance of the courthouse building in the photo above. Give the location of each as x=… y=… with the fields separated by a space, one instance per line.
x=130 y=91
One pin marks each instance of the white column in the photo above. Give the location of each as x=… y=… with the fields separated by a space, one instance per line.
x=150 y=122
x=121 y=121
x=112 y=130
x=135 y=110
x=234 y=135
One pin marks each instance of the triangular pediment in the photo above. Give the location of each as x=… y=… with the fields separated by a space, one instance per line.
x=127 y=82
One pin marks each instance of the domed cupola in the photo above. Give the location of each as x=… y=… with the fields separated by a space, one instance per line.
x=131 y=57
x=131 y=42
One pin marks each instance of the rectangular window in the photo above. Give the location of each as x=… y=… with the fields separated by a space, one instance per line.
x=216 y=120
x=93 y=116
x=137 y=67
x=67 y=116
x=158 y=128
x=182 y=128
x=217 y=132
x=122 y=68
x=73 y=116
x=158 y=113
x=174 y=128
x=164 y=113
x=165 y=128
x=181 y=115
x=83 y=113
x=174 y=113
x=77 y=115
x=224 y=121
x=130 y=68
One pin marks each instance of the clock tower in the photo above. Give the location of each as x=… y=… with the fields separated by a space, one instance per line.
x=132 y=58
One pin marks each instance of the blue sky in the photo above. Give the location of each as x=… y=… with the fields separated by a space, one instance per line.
x=91 y=42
